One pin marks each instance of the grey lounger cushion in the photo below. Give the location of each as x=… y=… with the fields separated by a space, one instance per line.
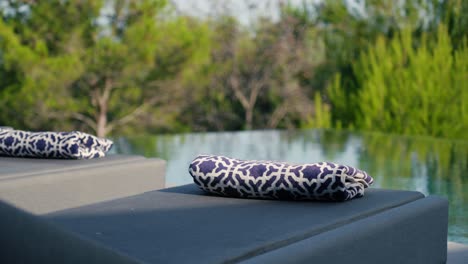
x=46 y=185
x=183 y=225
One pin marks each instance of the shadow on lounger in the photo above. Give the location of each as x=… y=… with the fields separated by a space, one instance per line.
x=28 y=239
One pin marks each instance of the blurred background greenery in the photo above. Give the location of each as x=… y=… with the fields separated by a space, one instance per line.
x=120 y=67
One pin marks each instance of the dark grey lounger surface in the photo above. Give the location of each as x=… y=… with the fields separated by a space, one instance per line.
x=183 y=225
x=25 y=238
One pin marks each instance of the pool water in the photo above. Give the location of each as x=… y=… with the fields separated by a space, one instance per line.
x=427 y=165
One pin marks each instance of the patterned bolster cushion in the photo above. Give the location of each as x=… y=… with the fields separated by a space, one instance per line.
x=277 y=180
x=59 y=145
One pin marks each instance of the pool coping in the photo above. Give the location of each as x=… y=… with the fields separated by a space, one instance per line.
x=457 y=253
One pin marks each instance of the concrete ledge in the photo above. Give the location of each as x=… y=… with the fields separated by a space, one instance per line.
x=457 y=253
x=46 y=185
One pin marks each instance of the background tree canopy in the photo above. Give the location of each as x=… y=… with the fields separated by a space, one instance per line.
x=131 y=66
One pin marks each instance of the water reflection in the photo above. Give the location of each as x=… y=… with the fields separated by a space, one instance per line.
x=431 y=166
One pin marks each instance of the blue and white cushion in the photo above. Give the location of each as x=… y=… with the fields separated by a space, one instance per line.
x=278 y=180
x=60 y=145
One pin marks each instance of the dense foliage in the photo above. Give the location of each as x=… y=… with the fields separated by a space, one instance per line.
x=131 y=66
x=411 y=89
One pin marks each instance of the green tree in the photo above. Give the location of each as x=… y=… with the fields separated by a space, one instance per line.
x=30 y=44
x=96 y=65
x=255 y=78
x=348 y=28
x=453 y=13
x=412 y=89
x=209 y=103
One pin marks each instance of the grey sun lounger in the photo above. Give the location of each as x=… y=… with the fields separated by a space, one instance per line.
x=45 y=185
x=184 y=225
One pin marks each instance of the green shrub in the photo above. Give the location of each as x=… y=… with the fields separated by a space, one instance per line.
x=410 y=87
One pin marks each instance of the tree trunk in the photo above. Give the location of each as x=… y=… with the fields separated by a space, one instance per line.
x=248 y=118
x=103 y=100
x=101 y=124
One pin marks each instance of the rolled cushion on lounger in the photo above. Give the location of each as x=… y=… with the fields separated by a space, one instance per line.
x=278 y=180
x=60 y=145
